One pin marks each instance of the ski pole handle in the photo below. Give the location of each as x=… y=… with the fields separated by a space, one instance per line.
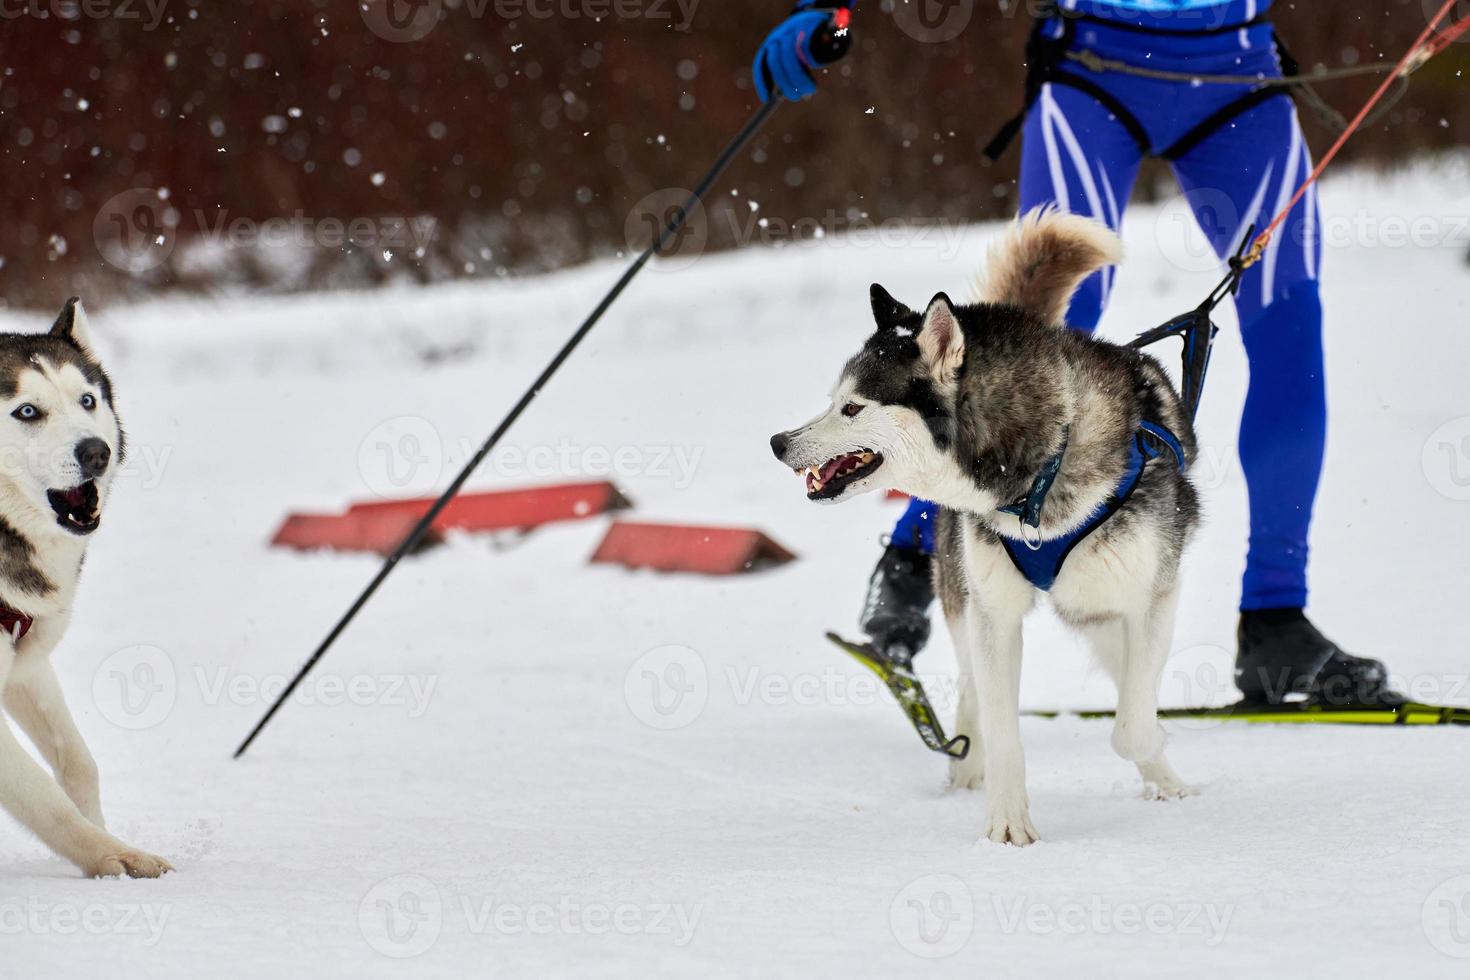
x=833 y=41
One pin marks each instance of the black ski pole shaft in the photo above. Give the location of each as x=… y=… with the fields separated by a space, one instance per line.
x=411 y=541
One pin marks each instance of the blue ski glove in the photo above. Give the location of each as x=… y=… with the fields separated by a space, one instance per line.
x=814 y=36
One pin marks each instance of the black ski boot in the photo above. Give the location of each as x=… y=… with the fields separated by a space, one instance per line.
x=1282 y=654
x=896 y=612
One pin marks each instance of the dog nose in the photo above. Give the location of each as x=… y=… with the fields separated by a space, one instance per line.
x=779 y=442
x=93 y=455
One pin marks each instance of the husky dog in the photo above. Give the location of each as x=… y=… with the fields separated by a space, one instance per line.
x=979 y=407
x=60 y=444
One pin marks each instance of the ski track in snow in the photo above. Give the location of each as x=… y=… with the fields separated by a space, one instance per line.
x=794 y=825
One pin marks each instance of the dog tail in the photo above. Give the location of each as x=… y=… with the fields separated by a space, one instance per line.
x=1043 y=258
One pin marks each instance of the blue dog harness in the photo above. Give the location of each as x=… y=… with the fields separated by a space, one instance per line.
x=1041 y=561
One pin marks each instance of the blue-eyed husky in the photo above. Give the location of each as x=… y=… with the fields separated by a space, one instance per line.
x=60 y=445
x=1059 y=462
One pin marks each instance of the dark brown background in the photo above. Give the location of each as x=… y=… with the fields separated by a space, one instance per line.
x=481 y=125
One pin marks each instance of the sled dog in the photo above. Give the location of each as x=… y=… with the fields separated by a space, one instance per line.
x=60 y=446
x=1060 y=464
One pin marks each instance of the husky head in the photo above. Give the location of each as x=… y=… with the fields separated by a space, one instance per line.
x=891 y=419
x=60 y=440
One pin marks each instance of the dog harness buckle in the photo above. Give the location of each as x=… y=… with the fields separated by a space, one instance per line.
x=1030 y=535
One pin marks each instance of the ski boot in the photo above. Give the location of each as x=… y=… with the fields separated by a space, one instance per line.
x=896 y=611
x=1282 y=655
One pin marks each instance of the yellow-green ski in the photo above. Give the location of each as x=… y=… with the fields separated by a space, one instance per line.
x=1304 y=713
x=907 y=688
x=911 y=698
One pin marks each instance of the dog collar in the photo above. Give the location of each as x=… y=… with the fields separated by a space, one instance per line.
x=15 y=622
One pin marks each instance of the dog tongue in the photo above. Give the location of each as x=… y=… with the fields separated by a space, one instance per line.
x=830 y=468
x=76 y=496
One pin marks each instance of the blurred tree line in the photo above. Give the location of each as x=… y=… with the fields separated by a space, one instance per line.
x=287 y=144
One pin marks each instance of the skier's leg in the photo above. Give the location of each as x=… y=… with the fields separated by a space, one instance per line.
x=1076 y=155
x=1242 y=175
x=1251 y=169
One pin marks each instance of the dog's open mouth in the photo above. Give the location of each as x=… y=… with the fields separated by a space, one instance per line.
x=828 y=480
x=76 y=509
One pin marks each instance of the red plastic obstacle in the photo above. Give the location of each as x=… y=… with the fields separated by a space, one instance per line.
x=379 y=526
x=507 y=509
x=380 y=533
x=679 y=548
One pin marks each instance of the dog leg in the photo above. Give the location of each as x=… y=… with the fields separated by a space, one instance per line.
x=34 y=798
x=1160 y=781
x=1137 y=735
x=995 y=647
x=35 y=701
x=969 y=772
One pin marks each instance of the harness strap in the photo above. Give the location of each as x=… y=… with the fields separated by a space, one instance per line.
x=1028 y=508
x=1109 y=102
x=1046 y=55
x=1040 y=563
x=1219 y=119
x=1043 y=55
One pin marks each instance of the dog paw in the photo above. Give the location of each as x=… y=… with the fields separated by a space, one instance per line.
x=1168 y=790
x=130 y=863
x=1010 y=825
x=967 y=773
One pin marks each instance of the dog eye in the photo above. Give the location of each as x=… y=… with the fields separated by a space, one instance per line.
x=89 y=401
x=27 y=413
x=851 y=409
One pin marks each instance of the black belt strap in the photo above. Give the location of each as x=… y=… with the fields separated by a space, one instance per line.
x=1044 y=56
x=1219 y=119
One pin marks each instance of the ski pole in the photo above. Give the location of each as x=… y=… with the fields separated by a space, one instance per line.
x=675 y=223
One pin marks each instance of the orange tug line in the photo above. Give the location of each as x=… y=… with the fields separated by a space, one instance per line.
x=1426 y=47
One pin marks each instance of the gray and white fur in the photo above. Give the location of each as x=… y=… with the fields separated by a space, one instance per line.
x=60 y=447
x=963 y=405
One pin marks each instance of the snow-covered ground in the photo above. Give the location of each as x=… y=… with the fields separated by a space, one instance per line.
x=515 y=764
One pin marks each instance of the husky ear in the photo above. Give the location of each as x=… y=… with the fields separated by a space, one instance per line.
x=887 y=311
x=941 y=341
x=72 y=324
